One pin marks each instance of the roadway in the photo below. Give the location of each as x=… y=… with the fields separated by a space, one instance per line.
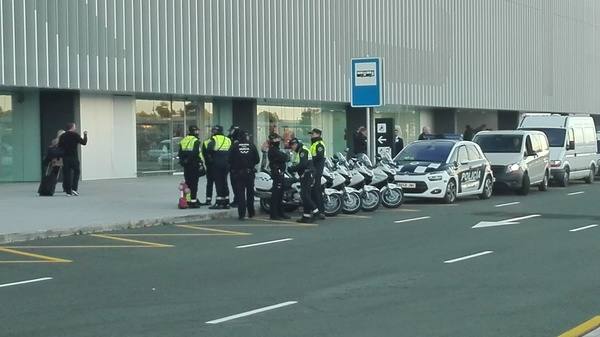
x=530 y=269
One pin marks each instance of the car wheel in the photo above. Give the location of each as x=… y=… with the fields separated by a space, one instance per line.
x=590 y=177
x=450 y=196
x=544 y=184
x=488 y=187
x=525 y=185
x=565 y=178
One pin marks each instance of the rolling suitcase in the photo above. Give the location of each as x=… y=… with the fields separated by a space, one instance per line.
x=48 y=183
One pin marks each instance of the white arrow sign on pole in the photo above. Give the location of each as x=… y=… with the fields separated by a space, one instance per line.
x=513 y=221
x=381 y=140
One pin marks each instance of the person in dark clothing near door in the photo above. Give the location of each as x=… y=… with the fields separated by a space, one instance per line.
x=243 y=159
x=210 y=180
x=71 y=165
x=190 y=160
x=398 y=143
x=277 y=160
x=425 y=134
x=317 y=151
x=302 y=164
x=234 y=134
x=218 y=152
x=360 y=141
x=469 y=132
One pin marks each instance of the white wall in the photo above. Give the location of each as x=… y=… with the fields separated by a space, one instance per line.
x=111 y=149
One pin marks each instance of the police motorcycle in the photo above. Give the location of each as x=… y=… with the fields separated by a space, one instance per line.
x=291 y=201
x=336 y=179
x=392 y=195
x=360 y=178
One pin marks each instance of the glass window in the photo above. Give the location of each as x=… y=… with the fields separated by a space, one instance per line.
x=499 y=143
x=7 y=139
x=161 y=124
x=556 y=137
x=463 y=157
x=406 y=120
x=473 y=153
x=436 y=152
x=290 y=122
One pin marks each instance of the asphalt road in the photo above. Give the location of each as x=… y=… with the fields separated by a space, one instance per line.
x=420 y=270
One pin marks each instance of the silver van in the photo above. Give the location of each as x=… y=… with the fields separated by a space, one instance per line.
x=520 y=159
x=573 y=147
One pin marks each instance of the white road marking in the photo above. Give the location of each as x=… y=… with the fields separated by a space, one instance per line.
x=251 y=312
x=508 y=204
x=25 y=282
x=522 y=218
x=576 y=193
x=413 y=219
x=469 y=256
x=582 y=228
x=264 y=243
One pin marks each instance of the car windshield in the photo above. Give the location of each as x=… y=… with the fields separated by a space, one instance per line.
x=556 y=137
x=499 y=143
x=436 y=152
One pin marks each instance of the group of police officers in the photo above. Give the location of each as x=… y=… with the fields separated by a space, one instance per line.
x=235 y=154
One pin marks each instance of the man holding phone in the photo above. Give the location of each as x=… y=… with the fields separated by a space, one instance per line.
x=68 y=142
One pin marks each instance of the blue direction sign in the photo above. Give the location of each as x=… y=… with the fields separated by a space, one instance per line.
x=367 y=82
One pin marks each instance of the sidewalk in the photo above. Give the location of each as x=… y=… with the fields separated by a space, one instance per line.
x=102 y=205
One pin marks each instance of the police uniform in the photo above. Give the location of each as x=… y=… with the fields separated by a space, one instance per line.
x=302 y=164
x=218 y=150
x=210 y=181
x=277 y=160
x=243 y=159
x=318 y=153
x=234 y=134
x=190 y=159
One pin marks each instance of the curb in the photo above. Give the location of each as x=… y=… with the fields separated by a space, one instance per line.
x=88 y=229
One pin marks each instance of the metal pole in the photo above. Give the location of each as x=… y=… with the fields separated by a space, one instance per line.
x=369 y=134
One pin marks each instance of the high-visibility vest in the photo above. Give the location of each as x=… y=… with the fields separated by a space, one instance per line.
x=222 y=143
x=187 y=143
x=313 y=148
x=296 y=156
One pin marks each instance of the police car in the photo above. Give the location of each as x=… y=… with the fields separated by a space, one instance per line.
x=444 y=169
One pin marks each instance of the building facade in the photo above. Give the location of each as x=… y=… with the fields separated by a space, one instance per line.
x=136 y=73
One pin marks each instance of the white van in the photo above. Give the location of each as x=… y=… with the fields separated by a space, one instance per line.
x=573 y=148
x=520 y=159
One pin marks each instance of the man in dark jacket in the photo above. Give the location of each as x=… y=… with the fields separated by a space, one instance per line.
x=398 y=143
x=71 y=165
x=360 y=141
x=425 y=134
x=317 y=151
x=302 y=164
x=277 y=160
x=210 y=180
x=243 y=159
x=218 y=151
x=190 y=160
x=234 y=133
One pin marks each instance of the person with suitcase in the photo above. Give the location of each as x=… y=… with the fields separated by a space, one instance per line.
x=53 y=163
x=243 y=159
x=69 y=141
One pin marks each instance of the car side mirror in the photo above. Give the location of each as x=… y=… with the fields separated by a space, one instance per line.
x=571 y=145
x=455 y=164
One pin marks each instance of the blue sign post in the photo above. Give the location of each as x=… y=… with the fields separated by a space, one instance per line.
x=367 y=90
x=367 y=82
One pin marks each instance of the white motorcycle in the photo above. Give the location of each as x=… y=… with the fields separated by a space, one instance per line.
x=392 y=195
x=359 y=178
x=336 y=179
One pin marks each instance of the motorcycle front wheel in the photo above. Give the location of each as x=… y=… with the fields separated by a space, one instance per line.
x=351 y=203
x=333 y=204
x=392 y=197
x=371 y=200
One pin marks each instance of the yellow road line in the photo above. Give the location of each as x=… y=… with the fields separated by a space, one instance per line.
x=36 y=256
x=24 y=261
x=583 y=328
x=221 y=231
x=151 y=244
x=78 y=247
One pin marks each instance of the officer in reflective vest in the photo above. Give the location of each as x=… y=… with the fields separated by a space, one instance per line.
x=218 y=151
x=190 y=158
x=210 y=180
x=302 y=164
x=317 y=151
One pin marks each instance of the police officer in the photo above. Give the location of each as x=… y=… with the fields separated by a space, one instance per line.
x=210 y=180
x=317 y=151
x=190 y=159
x=218 y=151
x=302 y=164
x=234 y=134
x=277 y=160
x=243 y=159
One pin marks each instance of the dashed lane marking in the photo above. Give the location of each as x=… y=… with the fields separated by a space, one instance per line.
x=413 y=219
x=264 y=243
x=214 y=230
x=469 y=256
x=25 y=282
x=251 y=312
x=575 y=193
x=582 y=228
x=508 y=204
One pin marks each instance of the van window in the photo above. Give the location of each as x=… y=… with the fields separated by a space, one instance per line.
x=556 y=137
x=491 y=143
x=571 y=135
x=529 y=144
x=543 y=142
x=537 y=145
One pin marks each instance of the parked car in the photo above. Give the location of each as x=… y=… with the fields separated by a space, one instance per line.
x=443 y=169
x=573 y=147
x=520 y=159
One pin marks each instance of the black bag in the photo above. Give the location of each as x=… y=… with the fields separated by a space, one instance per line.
x=48 y=183
x=201 y=170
